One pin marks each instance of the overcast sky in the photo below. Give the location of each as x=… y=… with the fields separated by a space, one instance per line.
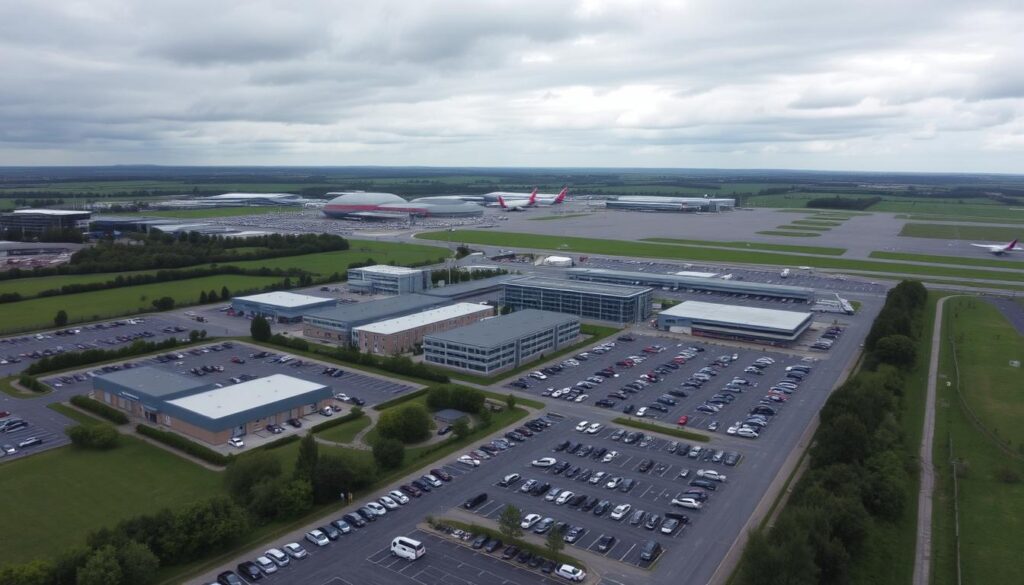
x=891 y=85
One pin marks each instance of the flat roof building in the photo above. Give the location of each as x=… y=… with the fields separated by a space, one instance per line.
x=678 y=204
x=385 y=279
x=402 y=334
x=207 y=413
x=685 y=282
x=35 y=249
x=336 y=323
x=472 y=288
x=283 y=307
x=604 y=302
x=735 y=322
x=501 y=343
x=34 y=222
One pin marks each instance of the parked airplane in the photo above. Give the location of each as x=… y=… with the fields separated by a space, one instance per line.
x=540 y=199
x=1000 y=249
x=517 y=204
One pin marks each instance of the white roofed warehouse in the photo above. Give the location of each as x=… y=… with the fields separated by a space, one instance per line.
x=402 y=334
x=283 y=307
x=735 y=322
x=204 y=412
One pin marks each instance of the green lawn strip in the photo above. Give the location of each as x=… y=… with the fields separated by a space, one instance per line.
x=596 y=333
x=944 y=207
x=990 y=510
x=29 y=287
x=663 y=429
x=961 y=232
x=960 y=219
x=76 y=415
x=789 y=234
x=72 y=492
x=805 y=227
x=326 y=263
x=565 y=216
x=212 y=212
x=932 y=259
x=7 y=387
x=91 y=306
x=817 y=250
x=651 y=250
x=344 y=433
x=530 y=545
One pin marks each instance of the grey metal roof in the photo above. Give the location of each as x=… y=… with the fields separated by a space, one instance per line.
x=370 y=311
x=739 y=315
x=619 y=290
x=470 y=288
x=702 y=283
x=154 y=382
x=500 y=330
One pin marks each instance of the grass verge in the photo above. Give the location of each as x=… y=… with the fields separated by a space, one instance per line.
x=75 y=414
x=789 y=234
x=663 y=429
x=345 y=432
x=816 y=250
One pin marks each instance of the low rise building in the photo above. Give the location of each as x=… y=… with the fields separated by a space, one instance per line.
x=735 y=322
x=604 y=302
x=698 y=282
x=336 y=323
x=204 y=412
x=501 y=343
x=402 y=334
x=282 y=307
x=33 y=222
x=389 y=280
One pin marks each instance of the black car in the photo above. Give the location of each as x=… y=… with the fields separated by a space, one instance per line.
x=367 y=514
x=656 y=406
x=548 y=566
x=479 y=541
x=560 y=467
x=354 y=519
x=645 y=466
x=602 y=507
x=509 y=552
x=562 y=446
x=441 y=474
x=540 y=488
x=229 y=578
x=524 y=556
x=573 y=534
x=606 y=542
x=411 y=490
x=422 y=485
x=492 y=545
x=294 y=422
x=577 y=500
x=585 y=450
x=627 y=484
x=650 y=551
x=536 y=561
x=475 y=501
x=629 y=408
x=703 y=483
x=572 y=472
x=652 y=521
x=250 y=570
x=331 y=532
x=626 y=338
x=605 y=403
x=589 y=504
x=599 y=453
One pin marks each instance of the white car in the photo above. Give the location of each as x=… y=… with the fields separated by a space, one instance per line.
x=564 y=497
x=377 y=508
x=318 y=538
x=544 y=462
x=581 y=397
x=690 y=503
x=594 y=428
x=342 y=397
x=552 y=494
x=266 y=565
x=279 y=558
x=747 y=433
x=620 y=511
x=598 y=477
x=293 y=549
x=613 y=483
x=433 y=481
x=399 y=497
x=538 y=376
x=529 y=520
x=571 y=573
x=711 y=474
x=388 y=502
x=733 y=428
x=236 y=442
x=640 y=412
x=582 y=426
x=609 y=456
x=467 y=460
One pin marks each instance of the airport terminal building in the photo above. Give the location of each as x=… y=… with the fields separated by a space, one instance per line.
x=204 y=412
x=282 y=307
x=770 y=326
x=686 y=282
x=603 y=302
x=389 y=280
x=501 y=343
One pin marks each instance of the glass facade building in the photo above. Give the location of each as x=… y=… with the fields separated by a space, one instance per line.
x=588 y=300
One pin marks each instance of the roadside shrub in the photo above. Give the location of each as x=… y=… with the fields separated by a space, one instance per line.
x=408 y=424
x=100 y=436
x=99 y=409
x=185 y=445
x=388 y=453
x=32 y=384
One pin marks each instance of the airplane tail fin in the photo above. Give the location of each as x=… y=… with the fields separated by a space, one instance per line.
x=1012 y=245
x=501 y=201
x=533 y=197
x=561 y=196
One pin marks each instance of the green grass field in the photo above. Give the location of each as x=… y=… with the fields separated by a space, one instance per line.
x=345 y=432
x=326 y=263
x=803 y=227
x=29 y=287
x=987 y=260
x=679 y=252
x=961 y=232
x=991 y=519
x=39 y=313
x=816 y=250
x=789 y=234
x=57 y=497
x=214 y=212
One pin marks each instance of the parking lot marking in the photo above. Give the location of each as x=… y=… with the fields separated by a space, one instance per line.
x=623 y=557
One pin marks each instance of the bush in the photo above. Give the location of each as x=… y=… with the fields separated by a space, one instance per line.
x=99 y=436
x=388 y=453
x=408 y=424
x=338 y=473
x=98 y=408
x=461 y=398
x=32 y=384
x=185 y=445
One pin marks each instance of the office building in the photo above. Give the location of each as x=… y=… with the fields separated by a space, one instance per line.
x=604 y=302
x=735 y=322
x=336 y=323
x=402 y=334
x=389 y=280
x=33 y=222
x=501 y=343
x=282 y=307
x=687 y=282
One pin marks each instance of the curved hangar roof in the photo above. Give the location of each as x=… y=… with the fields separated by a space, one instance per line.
x=388 y=205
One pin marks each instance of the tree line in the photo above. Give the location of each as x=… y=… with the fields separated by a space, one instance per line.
x=858 y=476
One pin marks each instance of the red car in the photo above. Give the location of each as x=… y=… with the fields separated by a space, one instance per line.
x=237 y=360
x=4 y=414
x=683 y=420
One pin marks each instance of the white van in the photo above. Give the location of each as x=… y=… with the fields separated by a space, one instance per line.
x=407 y=548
